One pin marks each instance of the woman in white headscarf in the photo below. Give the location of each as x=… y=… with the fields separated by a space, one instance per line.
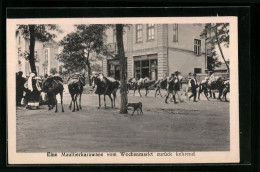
x=33 y=89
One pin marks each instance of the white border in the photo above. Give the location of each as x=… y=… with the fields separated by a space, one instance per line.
x=231 y=156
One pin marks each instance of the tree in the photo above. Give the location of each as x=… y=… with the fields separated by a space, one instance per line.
x=37 y=32
x=78 y=46
x=53 y=71
x=122 y=58
x=217 y=34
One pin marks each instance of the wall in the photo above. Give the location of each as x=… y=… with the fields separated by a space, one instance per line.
x=186 y=35
x=184 y=61
x=145 y=43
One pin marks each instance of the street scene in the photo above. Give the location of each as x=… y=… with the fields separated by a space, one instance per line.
x=122 y=87
x=186 y=126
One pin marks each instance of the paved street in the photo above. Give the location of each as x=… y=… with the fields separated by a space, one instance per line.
x=187 y=126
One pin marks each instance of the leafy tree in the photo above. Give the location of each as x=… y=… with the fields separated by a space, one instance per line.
x=53 y=71
x=122 y=59
x=78 y=46
x=34 y=32
x=217 y=34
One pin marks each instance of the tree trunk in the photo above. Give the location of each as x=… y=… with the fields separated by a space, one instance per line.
x=123 y=82
x=220 y=49
x=89 y=70
x=31 y=48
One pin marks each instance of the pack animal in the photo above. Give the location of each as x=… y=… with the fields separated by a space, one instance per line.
x=53 y=86
x=144 y=83
x=105 y=86
x=75 y=86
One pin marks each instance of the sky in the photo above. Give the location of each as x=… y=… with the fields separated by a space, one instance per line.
x=66 y=28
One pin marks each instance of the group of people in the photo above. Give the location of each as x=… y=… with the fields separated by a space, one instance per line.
x=29 y=88
x=174 y=85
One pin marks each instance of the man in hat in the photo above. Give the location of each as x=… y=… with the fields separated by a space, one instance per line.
x=177 y=86
x=20 y=80
x=194 y=85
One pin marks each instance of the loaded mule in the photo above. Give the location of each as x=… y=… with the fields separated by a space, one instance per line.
x=75 y=86
x=53 y=85
x=105 y=86
x=144 y=83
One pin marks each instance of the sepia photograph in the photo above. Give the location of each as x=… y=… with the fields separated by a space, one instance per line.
x=122 y=90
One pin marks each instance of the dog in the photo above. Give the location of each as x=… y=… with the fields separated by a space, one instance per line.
x=136 y=106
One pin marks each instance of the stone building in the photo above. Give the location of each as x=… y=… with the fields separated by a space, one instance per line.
x=157 y=50
x=45 y=56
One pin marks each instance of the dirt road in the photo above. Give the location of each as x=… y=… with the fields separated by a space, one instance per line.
x=187 y=126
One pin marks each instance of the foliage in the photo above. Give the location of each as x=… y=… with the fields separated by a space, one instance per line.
x=78 y=46
x=42 y=31
x=215 y=34
x=53 y=71
x=222 y=30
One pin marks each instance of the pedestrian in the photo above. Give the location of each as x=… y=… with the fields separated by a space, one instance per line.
x=177 y=85
x=171 y=81
x=194 y=85
x=19 y=87
x=33 y=90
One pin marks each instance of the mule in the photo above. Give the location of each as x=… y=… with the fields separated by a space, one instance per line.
x=203 y=88
x=75 y=86
x=144 y=83
x=105 y=86
x=214 y=86
x=160 y=84
x=131 y=84
x=52 y=86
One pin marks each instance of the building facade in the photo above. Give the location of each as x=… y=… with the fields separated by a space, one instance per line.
x=157 y=50
x=45 y=56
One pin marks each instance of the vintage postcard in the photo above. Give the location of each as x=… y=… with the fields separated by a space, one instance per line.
x=158 y=90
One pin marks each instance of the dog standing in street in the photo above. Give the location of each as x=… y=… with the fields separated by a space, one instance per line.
x=136 y=106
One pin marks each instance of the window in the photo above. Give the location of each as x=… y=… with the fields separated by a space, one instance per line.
x=197 y=70
x=137 y=66
x=175 y=32
x=139 y=33
x=145 y=68
x=45 y=71
x=150 y=31
x=46 y=54
x=197 y=47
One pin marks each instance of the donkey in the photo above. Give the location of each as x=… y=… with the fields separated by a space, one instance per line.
x=52 y=86
x=105 y=86
x=75 y=86
x=131 y=84
x=203 y=88
x=144 y=83
x=215 y=86
x=160 y=84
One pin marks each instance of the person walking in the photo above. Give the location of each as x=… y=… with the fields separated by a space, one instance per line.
x=194 y=85
x=177 y=85
x=171 y=88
